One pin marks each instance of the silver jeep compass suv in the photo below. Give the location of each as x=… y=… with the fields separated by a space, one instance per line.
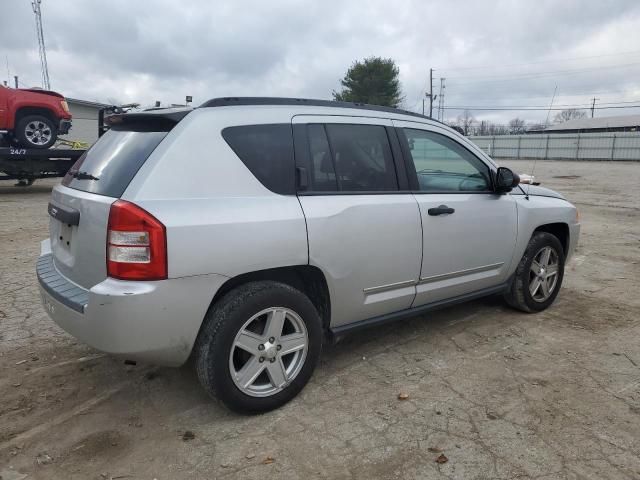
x=247 y=231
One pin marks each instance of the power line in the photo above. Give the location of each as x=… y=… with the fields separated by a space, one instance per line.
x=567 y=105
x=493 y=66
x=534 y=109
x=566 y=95
x=556 y=73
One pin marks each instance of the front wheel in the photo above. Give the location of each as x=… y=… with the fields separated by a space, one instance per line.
x=36 y=131
x=258 y=346
x=539 y=275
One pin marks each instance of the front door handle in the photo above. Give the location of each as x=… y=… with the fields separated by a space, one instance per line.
x=441 y=210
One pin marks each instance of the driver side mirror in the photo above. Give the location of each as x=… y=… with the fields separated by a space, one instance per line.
x=506 y=180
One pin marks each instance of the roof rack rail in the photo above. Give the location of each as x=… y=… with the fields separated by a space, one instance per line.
x=231 y=101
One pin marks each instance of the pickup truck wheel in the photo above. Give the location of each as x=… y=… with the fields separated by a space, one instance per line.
x=36 y=131
x=539 y=275
x=258 y=346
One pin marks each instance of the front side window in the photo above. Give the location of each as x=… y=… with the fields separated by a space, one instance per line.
x=362 y=158
x=443 y=165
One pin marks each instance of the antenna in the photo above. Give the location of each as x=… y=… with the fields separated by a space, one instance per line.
x=35 y=4
x=593 y=105
x=546 y=123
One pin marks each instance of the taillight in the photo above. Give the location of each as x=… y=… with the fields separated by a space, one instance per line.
x=136 y=244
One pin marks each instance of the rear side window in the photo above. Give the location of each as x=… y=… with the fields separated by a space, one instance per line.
x=110 y=164
x=323 y=174
x=267 y=151
x=362 y=158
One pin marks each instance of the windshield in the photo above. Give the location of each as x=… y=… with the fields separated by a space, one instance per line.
x=110 y=164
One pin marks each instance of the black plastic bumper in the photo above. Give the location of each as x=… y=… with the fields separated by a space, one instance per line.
x=64 y=127
x=59 y=287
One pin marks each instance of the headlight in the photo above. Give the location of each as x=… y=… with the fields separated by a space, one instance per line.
x=64 y=106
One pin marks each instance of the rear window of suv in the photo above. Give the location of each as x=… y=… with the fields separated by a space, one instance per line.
x=110 y=164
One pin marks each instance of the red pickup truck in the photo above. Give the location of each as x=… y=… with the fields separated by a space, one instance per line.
x=33 y=118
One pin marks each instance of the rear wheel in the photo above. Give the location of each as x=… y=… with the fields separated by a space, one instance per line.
x=539 y=275
x=258 y=346
x=36 y=131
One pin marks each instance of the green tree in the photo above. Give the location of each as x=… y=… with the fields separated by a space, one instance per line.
x=374 y=81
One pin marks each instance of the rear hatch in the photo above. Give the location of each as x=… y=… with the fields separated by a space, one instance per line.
x=79 y=208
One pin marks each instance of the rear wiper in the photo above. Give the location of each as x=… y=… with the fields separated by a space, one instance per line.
x=82 y=175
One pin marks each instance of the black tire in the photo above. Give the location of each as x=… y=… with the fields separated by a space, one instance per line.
x=221 y=325
x=518 y=295
x=46 y=132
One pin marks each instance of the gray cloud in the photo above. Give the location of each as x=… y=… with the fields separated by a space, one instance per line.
x=164 y=50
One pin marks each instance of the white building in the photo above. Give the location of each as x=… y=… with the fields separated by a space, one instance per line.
x=84 y=126
x=620 y=123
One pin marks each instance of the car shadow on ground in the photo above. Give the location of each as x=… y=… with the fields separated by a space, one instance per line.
x=8 y=187
x=372 y=339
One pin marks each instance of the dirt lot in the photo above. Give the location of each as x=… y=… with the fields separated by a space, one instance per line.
x=501 y=394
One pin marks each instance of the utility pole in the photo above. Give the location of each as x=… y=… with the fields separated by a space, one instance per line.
x=15 y=80
x=430 y=95
x=430 y=92
x=441 y=100
x=593 y=105
x=35 y=4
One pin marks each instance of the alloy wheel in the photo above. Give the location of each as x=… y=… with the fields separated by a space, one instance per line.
x=543 y=275
x=38 y=133
x=268 y=352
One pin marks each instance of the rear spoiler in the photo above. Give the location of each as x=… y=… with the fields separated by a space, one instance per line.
x=158 y=120
x=142 y=117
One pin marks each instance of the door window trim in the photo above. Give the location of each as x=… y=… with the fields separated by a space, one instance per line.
x=411 y=168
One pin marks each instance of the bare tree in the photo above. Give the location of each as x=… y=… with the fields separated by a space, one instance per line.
x=569 y=114
x=516 y=126
x=495 y=129
x=483 y=127
x=499 y=130
x=466 y=121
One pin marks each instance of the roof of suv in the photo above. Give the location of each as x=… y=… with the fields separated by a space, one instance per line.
x=306 y=102
x=174 y=115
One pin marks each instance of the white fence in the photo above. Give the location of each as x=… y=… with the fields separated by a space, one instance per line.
x=575 y=146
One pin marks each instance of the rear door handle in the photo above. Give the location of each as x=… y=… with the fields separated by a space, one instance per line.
x=441 y=210
x=67 y=215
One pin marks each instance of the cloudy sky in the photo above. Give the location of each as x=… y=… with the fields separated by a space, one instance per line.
x=492 y=53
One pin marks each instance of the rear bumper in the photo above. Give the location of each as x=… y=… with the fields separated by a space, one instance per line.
x=64 y=127
x=156 y=322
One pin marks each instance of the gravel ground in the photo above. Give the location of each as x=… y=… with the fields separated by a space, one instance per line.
x=498 y=393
